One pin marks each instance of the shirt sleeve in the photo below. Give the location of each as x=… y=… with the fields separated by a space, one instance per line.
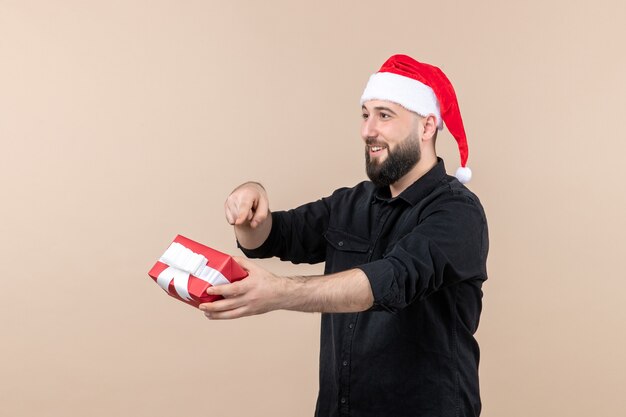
x=448 y=246
x=297 y=235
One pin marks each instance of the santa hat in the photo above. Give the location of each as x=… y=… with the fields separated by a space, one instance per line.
x=425 y=90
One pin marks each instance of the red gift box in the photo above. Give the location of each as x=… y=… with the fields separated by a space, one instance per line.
x=188 y=268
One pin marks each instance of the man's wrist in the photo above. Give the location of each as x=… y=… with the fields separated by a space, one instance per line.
x=342 y=292
x=251 y=238
x=291 y=292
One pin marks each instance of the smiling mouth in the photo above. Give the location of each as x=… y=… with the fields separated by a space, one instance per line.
x=375 y=149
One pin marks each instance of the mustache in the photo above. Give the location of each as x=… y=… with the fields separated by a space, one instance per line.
x=374 y=142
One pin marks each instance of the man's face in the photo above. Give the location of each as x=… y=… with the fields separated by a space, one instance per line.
x=392 y=141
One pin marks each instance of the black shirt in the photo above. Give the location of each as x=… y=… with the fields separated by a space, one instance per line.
x=424 y=252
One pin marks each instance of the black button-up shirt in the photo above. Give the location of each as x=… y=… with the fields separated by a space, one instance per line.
x=424 y=252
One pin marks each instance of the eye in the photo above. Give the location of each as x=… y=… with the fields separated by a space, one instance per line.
x=364 y=116
x=385 y=115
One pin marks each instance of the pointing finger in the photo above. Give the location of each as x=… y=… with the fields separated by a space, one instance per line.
x=244 y=212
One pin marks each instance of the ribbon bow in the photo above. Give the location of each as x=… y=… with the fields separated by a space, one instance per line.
x=183 y=262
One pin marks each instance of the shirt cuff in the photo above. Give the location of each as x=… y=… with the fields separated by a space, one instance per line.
x=381 y=276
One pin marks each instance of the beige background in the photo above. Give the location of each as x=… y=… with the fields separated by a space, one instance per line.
x=123 y=123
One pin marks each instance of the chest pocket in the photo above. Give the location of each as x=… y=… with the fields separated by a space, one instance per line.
x=345 y=250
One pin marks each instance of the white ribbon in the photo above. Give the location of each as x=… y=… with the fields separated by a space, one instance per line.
x=183 y=262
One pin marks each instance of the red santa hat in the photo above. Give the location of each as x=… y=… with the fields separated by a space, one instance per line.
x=425 y=90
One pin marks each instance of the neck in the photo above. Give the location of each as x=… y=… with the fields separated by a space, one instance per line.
x=425 y=164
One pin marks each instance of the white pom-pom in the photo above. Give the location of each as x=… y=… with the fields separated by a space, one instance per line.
x=463 y=174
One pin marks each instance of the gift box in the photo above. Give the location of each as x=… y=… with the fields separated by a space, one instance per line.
x=188 y=268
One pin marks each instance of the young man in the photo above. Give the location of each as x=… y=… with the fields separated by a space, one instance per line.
x=405 y=260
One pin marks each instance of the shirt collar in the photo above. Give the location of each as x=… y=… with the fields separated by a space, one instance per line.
x=419 y=189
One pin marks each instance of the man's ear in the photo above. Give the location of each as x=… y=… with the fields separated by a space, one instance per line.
x=430 y=127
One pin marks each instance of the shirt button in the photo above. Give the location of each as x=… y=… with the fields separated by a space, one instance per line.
x=345 y=363
x=340 y=243
x=351 y=325
x=343 y=400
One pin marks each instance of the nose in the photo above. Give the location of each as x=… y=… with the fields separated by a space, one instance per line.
x=369 y=128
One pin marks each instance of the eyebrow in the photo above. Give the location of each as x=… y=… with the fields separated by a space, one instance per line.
x=381 y=108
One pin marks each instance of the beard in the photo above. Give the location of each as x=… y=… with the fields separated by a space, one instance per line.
x=397 y=164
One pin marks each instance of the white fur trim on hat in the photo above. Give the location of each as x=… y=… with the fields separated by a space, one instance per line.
x=407 y=92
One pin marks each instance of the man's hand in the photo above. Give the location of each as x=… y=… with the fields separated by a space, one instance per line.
x=247 y=208
x=247 y=205
x=260 y=292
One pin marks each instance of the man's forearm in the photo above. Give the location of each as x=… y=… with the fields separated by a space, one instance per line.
x=342 y=292
x=262 y=291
